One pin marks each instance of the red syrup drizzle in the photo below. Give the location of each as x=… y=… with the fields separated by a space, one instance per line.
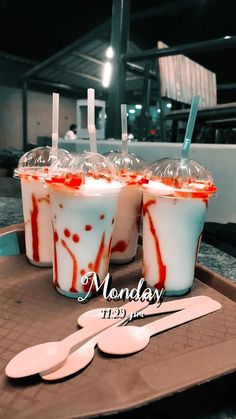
x=74 y=181
x=120 y=246
x=97 y=264
x=160 y=264
x=86 y=287
x=45 y=198
x=109 y=248
x=99 y=254
x=205 y=200
x=34 y=227
x=75 y=238
x=132 y=178
x=34 y=224
x=55 y=237
x=75 y=267
x=67 y=232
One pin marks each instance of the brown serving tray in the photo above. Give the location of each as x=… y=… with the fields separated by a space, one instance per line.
x=32 y=312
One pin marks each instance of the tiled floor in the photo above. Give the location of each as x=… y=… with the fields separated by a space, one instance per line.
x=10 y=201
x=9 y=187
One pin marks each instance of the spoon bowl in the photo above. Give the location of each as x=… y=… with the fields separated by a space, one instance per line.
x=35 y=358
x=124 y=340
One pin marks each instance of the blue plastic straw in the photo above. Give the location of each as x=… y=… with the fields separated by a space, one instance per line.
x=190 y=126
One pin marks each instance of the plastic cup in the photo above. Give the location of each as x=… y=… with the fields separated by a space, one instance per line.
x=175 y=205
x=84 y=194
x=129 y=210
x=32 y=168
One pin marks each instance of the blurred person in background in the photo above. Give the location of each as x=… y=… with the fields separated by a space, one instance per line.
x=71 y=134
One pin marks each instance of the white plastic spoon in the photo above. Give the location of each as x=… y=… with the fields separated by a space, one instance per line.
x=82 y=356
x=131 y=339
x=51 y=354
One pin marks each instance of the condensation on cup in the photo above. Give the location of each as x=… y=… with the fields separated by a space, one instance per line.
x=130 y=168
x=84 y=193
x=175 y=202
x=32 y=168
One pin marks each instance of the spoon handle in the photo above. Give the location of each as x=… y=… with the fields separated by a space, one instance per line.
x=99 y=325
x=174 y=305
x=186 y=315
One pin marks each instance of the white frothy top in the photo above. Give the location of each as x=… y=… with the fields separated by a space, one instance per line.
x=157 y=186
x=90 y=186
x=99 y=184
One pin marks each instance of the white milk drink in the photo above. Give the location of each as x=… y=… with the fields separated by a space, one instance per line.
x=84 y=195
x=130 y=168
x=32 y=168
x=175 y=204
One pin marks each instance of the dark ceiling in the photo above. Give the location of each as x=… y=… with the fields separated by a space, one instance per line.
x=37 y=30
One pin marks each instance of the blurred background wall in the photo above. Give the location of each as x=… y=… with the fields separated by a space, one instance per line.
x=39 y=107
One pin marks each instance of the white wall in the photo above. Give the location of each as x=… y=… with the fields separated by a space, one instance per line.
x=220 y=159
x=10 y=118
x=39 y=116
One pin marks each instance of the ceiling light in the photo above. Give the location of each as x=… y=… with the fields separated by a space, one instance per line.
x=132 y=111
x=110 y=52
x=107 y=71
x=169 y=105
x=138 y=106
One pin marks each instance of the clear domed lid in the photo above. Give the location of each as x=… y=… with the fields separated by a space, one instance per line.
x=37 y=161
x=130 y=166
x=85 y=172
x=179 y=176
x=127 y=161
